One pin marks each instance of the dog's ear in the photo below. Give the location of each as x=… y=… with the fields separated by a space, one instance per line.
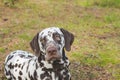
x=69 y=38
x=35 y=45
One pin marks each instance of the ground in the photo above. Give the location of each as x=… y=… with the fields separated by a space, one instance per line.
x=95 y=53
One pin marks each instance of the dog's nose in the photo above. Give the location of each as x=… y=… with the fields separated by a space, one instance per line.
x=52 y=51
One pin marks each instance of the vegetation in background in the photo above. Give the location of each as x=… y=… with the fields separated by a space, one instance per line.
x=100 y=3
x=95 y=54
x=107 y=3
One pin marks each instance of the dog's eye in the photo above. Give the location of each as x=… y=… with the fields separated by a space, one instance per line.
x=43 y=40
x=57 y=37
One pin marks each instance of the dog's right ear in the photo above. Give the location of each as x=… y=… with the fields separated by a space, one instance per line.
x=35 y=45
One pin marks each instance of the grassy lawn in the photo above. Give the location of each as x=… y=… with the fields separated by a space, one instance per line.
x=95 y=53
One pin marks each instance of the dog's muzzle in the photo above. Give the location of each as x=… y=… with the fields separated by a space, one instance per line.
x=52 y=52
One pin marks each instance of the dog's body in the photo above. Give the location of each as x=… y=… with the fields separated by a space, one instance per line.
x=21 y=65
x=50 y=62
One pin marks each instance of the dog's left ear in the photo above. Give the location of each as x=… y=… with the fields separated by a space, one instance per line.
x=35 y=45
x=69 y=38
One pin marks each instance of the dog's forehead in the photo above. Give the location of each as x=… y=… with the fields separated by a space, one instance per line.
x=50 y=31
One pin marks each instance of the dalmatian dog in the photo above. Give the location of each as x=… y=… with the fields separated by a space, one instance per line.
x=49 y=62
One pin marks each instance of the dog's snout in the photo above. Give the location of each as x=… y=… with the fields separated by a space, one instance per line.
x=51 y=50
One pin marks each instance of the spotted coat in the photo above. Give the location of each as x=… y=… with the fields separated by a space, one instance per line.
x=49 y=61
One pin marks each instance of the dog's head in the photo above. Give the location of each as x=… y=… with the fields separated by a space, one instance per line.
x=51 y=42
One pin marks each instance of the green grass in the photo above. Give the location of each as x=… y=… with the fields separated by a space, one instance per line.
x=100 y=3
x=95 y=24
x=108 y=3
x=2 y=50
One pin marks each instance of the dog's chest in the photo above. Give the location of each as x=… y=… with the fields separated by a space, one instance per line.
x=24 y=66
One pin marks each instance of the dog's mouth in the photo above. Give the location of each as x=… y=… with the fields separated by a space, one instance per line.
x=54 y=59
